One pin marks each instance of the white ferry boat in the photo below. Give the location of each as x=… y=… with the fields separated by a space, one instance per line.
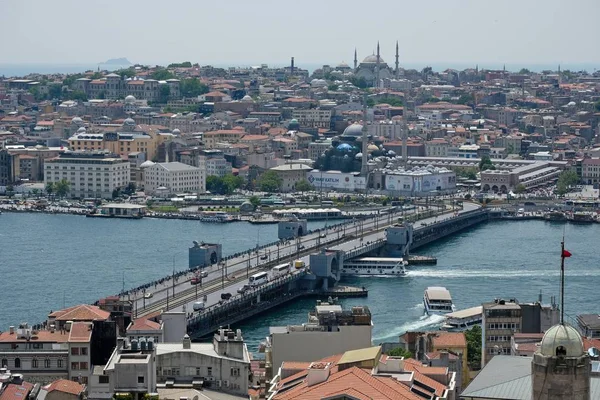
x=217 y=217
x=437 y=300
x=462 y=320
x=374 y=266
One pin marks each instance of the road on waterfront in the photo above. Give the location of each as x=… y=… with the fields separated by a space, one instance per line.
x=234 y=273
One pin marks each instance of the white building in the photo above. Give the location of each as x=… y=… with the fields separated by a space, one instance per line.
x=90 y=174
x=144 y=328
x=174 y=177
x=420 y=181
x=329 y=331
x=223 y=364
x=336 y=180
x=214 y=164
x=313 y=118
x=391 y=129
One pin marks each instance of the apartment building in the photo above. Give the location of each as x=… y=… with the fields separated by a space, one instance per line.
x=90 y=174
x=214 y=163
x=501 y=319
x=437 y=148
x=313 y=117
x=112 y=86
x=173 y=177
x=211 y=138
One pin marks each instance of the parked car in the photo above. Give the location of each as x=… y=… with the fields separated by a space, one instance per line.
x=225 y=296
x=243 y=289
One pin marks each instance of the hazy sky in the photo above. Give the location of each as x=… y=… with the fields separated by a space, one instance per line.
x=324 y=31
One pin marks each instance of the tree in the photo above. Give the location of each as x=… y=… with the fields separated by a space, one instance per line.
x=185 y=64
x=333 y=87
x=35 y=192
x=399 y=352
x=486 y=163
x=565 y=180
x=269 y=181
x=360 y=83
x=126 y=73
x=55 y=91
x=254 y=200
x=162 y=74
x=520 y=188
x=70 y=79
x=130 y=189
x=232 y=182
x=192 y=87
x=77 y=95
x=50 y=188
x=62 y=187
x=597 y=105
x=164 y=94
x=96 y=75
x=304 y=186
x=465 y=98
x=10 y=191
x=524 y=71
x=473 y=337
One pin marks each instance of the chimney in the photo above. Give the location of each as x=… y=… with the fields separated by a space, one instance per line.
x=238 y=334
x=11 y=330
x=187 y=342
x=317 y=373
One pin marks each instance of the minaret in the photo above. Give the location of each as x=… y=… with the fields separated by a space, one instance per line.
x=559 y=76
x=364 y=169
x=355 y=60
x=396 y=71
x=404 y=143
x=377 y=67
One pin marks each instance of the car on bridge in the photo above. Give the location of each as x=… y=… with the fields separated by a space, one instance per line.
x=225 y=296
x=243 y=289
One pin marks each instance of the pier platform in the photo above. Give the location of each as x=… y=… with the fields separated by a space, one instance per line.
x=344 y=291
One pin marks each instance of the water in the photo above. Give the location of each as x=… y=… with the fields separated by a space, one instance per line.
x=45 y=257
x=50 y=261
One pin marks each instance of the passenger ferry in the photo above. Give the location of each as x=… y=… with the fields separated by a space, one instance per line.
x=437 y=300
x=463 y=320
x=218 y=217
x=581 y=217
x=375 y=266
x=555 y=215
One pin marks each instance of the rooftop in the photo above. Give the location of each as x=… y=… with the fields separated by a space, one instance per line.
x=65 y=386
x=83 y=312
x=353 y=356
x=16 y=392
x=143 y=324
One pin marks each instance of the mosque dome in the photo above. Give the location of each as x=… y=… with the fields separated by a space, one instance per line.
x=372 y=59
x=176 y=131
x=562 y=336
x=247 y=99
x=81 y=129
x=129 y=99
x=353 y=130
x=294 y=125
x=146 y=164
x=342 y=65
x=128 y=122
x=372 y=148
x=76 y=120
x=344 y=147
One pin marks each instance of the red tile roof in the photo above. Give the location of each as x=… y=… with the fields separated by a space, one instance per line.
x=449 y=339
x=65 y=386
x=83 y=312
x=80 y=332
x=16 y=392
x=40 y=337
x=143 y=324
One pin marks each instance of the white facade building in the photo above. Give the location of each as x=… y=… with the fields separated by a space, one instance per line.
x=420 y=181
x=313 y=118
x=214 y=163
x=90 y=174
x=174 y=177
x=391 y=129
x=336 y=180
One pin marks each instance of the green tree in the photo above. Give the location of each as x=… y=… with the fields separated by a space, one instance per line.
x=370 y=102
x=473 y=337
x=35 y=192
x=10 y=191
x=254 y=200
x=192 y=87
x=486 y=163
x=62 y=187
x=269 y=181
x=130 y=189
x=524 y=71
x=332 y=87
x=392 y=101
x=399 y=352
x=214 y=184
x=35 y=91
x=232 y=182
x=304 y=186
x=565 y=180
x=96 y=75
x=126 y=73
x=55 y=91
x=520 y=188
x=77 y=95
x=185 y=64
x=465 y=98
x=162 y=74
x=70 y=79
x=164 y=94
x=597 y=105
x=50 y=188
x=360 y=83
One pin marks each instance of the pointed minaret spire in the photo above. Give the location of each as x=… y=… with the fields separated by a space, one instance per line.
x=355 y=60
x=364 y=169
x=504 y=68
x=397 y=62
x=377 y=67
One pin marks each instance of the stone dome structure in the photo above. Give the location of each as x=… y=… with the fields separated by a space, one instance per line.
x=77 y=120
x=294 y=125
x=176 y=131
x=371 y=148
x=81 y=129
x=130 y=99
x=129 y=122
x=146 y=164
x=372 y=59
x=247 y=99
x=562 y=340
x=353 y=130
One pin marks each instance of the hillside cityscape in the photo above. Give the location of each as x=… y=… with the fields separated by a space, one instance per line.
x=306 y=192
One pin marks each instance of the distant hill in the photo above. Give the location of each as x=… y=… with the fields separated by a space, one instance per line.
x=117 y=61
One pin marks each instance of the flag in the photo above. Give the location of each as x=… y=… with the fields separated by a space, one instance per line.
x=566 y=253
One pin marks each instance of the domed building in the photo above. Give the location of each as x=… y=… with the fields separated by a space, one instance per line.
x=77 y=121
x=129 y=99
x=247 y=99
x=373 y=68
x=129 y=124
x=294 y=125
x=146 y=164
x=352 y=132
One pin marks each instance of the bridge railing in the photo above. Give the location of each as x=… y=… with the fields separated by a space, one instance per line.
x=364 y=249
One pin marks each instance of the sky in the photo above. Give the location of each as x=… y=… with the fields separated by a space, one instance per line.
x=241 y=32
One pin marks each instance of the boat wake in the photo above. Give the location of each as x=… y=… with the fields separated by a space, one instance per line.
x=482 y=273
x=426 y=321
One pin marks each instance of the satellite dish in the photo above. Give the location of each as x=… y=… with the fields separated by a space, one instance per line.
x=594 y=352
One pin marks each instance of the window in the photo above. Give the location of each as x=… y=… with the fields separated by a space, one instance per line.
x=74 y=351
x=34 y=363
x=235 y=372
x=74 y=366
x=4 y=363
x=59 y=363
x=140 y=379
x=84 y=351
x=208 y=371
x=103 y=379
x=17 y=362
x=83 y=366
x=47 y=363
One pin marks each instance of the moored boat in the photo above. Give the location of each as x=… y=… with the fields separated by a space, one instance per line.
x=437 y=300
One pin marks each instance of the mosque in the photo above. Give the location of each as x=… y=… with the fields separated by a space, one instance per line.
x=373 y=69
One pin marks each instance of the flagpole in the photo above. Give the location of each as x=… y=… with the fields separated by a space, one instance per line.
x=562 y=282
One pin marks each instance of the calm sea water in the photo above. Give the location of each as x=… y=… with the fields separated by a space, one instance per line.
x=47 y=261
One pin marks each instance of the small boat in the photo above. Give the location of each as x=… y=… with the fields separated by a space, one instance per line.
x=437 y=300
x=375 y=266
x=216 y=217
x=463 y=319
x=581 y=217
